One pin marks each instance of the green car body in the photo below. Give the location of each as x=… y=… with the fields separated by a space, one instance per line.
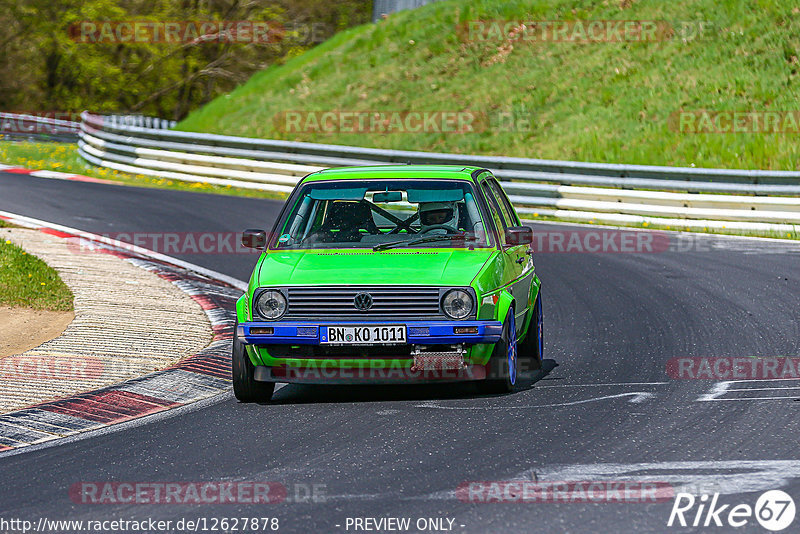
x=495 y=269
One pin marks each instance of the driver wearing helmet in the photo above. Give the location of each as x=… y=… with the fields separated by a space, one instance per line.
x=436 y=217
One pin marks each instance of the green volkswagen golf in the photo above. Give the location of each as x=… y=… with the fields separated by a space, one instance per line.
x=390 y=274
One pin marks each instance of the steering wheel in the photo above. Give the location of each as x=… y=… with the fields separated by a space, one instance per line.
x=447 y=227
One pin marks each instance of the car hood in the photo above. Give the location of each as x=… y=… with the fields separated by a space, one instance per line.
x=364 y=267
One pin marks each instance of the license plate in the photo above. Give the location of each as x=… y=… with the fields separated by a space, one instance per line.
x=381 y=334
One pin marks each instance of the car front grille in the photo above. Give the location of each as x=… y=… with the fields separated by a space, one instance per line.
x=388 y=303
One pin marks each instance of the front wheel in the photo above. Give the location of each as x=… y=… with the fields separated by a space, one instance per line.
x=245 y=387
x=503 y=363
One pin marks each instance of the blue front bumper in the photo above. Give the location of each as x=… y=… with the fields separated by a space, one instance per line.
x=417 y=332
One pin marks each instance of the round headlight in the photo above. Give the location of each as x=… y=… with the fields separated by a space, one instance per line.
x=457 y=304
x=271 y=305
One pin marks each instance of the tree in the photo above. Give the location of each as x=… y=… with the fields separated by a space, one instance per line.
x=50 y=61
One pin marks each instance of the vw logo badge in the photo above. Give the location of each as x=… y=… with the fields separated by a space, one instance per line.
x=362 y=301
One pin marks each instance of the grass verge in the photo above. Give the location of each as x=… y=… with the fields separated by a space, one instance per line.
x=28 y=282
x=597 y=101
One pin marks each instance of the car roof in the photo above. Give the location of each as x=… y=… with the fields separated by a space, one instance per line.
x=421 y=172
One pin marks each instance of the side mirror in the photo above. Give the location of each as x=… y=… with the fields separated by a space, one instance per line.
x=519 y=235
x=254 y=238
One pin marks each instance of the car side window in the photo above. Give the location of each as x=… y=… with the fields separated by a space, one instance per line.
x=509 y=214
x=495 y=210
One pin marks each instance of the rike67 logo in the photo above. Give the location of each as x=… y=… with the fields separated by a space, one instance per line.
x=774 y=510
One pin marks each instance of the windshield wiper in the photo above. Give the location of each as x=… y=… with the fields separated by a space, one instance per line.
x=429 y=239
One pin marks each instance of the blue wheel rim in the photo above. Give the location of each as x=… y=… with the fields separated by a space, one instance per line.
x=512 y=348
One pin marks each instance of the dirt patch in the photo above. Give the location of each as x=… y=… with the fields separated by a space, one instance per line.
x=22 y=329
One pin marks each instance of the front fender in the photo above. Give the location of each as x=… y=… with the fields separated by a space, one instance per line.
x=242 y=314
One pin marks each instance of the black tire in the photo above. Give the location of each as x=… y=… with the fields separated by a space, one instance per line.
x=245 y=388
x=531 y=348
x=501 y=377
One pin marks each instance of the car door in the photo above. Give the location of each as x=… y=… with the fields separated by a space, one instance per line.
x=516 y=263
x=524 y=253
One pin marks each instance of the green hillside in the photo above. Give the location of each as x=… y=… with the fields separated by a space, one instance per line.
x=597 y=101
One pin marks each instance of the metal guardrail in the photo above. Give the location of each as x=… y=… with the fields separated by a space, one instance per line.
x=42 y=127
x=381 y=8
x=142 y=121
x=613 y=193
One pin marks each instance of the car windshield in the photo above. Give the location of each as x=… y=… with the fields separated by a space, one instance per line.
x=382 y=214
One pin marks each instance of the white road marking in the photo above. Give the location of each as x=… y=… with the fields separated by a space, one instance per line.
x=603 y=384
x=719 y=389
x=765 y=389
x=722 y=388
x=125 y=425
x=637 y=397
x=732 y=476
x=755 y=398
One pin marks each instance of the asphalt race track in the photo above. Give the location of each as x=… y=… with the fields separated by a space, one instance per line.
x=606 y=409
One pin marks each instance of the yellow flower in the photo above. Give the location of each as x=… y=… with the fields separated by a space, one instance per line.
x=42 y=283
x=8 y=241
